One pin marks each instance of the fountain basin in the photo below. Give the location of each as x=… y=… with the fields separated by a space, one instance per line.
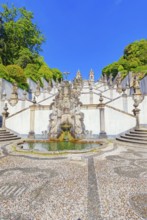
x=59 y=146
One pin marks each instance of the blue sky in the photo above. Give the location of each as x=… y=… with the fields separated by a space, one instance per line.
x=85 y=34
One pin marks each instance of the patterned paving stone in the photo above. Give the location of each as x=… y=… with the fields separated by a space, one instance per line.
x=139 y=204
x=108 y=185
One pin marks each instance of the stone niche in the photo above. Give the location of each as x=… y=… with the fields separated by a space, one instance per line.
x=66 y=115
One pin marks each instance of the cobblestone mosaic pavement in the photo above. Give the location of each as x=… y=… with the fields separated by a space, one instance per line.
x=110 y=184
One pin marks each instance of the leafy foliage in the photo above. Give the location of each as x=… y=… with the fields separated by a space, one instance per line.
x=46 y=72
x=16 y=74
x=3 y=72
x=20 y=44
x=31 y=71
x=56 y=73
x=134 y=59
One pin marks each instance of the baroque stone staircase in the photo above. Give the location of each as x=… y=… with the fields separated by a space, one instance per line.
x=138 y=136
x=6 y=135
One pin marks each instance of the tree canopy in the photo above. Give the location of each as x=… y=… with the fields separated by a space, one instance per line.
x=134 y=59
x=20 y=44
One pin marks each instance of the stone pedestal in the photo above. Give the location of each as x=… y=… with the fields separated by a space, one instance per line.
x=136 y=112
x=101 y=106
x=31 y=134
x=102 y=124
x=5 y=114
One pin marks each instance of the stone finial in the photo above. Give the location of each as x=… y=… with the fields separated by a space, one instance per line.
x=124 y=91
x=127 y=85
x=111 y=80
x=37 y=92
x=91 y=75
x=49 y=88
x=136 y=85
x=14 y=95
x=57 y=81
x=118 y=82
x=34 y=100
x=4 y=95
x=101 y=98
x=90 y=86
x=6 y=107
x=15 y=88
x=105 y=79
x=78 y=75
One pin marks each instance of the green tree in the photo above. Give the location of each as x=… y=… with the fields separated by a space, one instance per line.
x=56 y=74
x=31 y=71
x=25 y=57
x=20 y=44
x=134 y=59
x=20 y=33
x=45 y=72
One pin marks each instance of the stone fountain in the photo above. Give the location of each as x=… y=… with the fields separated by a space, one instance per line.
x=66 y=119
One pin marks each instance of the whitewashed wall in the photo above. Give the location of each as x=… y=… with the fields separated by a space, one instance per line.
x=19 y=106
x=48 y=100
x=126 y=104
x=85 y=98
x=112 y=94
x=19 y=123
x=117 y=122
x=41 y=121
x=91 y=120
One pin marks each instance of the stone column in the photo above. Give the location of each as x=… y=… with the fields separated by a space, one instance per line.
x=101 y=107
x=31 y=134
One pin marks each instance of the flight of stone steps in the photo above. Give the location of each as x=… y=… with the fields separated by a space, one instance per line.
x=138 y=136
x=6 y=135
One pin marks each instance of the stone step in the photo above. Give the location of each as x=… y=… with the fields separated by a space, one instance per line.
x=141 y=130
x=10 y=139
x=134 y=138
x=136 y=135
x=4 y=131
x=6 y=134
x=138 y=132
x=131 y=141
x=11 y=136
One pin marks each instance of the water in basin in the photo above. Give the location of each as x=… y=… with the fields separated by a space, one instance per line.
x=58 y=146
